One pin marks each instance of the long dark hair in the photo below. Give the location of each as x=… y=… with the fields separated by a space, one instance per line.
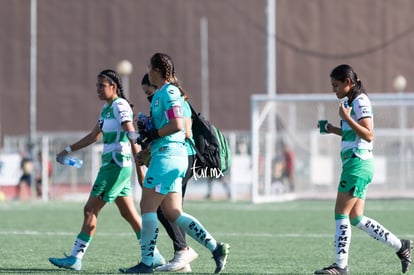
x=113 y=77
x=344 y=71
x=164 y=63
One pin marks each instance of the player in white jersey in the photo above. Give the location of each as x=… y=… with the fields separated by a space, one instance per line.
x=113 y=182
x=357 y=132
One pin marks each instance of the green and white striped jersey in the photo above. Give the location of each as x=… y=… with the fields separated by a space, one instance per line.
x=117 y=147
x=361 y=108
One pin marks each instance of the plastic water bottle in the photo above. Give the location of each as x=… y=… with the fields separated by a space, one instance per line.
x=72 y=161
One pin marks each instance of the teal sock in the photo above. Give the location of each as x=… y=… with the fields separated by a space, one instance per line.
x=149 y=234
x=196 y=230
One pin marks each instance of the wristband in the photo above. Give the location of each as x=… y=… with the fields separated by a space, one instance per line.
x=68 y=149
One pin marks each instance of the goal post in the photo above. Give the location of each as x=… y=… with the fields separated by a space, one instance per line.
x=288 y=122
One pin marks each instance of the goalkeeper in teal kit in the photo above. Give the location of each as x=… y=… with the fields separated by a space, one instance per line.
x=162 y=183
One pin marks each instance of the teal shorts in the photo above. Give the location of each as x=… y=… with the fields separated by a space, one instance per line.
x=112 y=182
x=356 y=175
x=166 y=170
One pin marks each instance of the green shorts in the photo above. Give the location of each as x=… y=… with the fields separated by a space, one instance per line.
x=356 y=175
x=112 y=182
x=166 y=171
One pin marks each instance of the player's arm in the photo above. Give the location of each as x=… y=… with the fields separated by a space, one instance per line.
x=175 y=121
x=331 y=129
x=363 y=127
x=87 y=140
x=188 y=123
x=128 y=126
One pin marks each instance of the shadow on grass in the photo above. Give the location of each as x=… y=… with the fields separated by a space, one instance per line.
x=26 y=270
x=49 y=271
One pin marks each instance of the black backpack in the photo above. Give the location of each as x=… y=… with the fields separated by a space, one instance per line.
x=213 y=154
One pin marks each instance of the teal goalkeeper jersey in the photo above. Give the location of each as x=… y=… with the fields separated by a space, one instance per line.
x=164 y=99
x=361 y=108
x=116 y=147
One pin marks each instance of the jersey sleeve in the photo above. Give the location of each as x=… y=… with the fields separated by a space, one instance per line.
x=362 y=107
x=172 y=100
x=122 y=111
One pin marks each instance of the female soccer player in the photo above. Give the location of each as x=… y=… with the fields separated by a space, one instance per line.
x=183 y=254
x=113 y=183
x=169 y=160
x=357 y=132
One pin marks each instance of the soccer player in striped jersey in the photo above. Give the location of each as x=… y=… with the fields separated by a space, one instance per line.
x=113 y=182
x=357 y=132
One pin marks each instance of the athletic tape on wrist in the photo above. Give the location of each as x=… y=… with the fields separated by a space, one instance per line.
x=68 y=149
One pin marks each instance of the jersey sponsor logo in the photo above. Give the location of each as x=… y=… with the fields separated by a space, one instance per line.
x=342 y=240
x=149 y=180
x=365 y=111
x=123 y=113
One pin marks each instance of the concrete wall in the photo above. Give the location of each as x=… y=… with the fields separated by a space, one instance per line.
x=79 y=38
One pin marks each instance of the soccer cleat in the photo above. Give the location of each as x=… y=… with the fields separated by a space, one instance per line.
x=140 y=268
x=405 y=254
x=158 y=259
x=181 y=259
x=220 y=255
x=333 y=269
x=68 y=262
x=186 y=268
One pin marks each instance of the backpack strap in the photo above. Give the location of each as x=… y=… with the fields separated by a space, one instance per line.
x=198 y=153
x=193 y=112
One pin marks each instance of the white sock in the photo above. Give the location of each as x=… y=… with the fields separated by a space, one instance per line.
x=342 y=241
x=379 y=232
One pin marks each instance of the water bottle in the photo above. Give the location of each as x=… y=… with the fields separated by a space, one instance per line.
x=73 y=161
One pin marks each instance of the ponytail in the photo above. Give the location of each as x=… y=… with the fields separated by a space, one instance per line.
x=113 y=77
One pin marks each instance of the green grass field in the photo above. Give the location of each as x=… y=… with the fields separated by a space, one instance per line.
x=279 y=238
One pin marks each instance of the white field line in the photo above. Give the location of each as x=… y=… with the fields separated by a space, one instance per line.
x=251 y=235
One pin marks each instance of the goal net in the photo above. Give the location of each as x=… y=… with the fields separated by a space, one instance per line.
x=291 y=159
